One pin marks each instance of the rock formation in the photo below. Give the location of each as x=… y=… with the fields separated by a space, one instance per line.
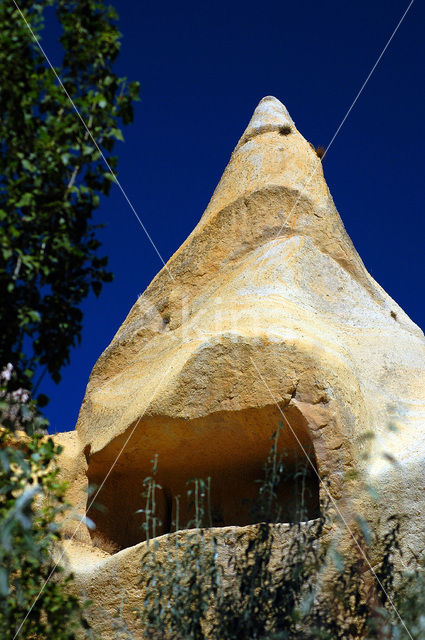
x=265 y=314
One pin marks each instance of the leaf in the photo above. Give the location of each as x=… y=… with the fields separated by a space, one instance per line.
x=391 y=458
x=42 y=400
x=25 y=200
x=34 y=316
x=338 y=559
x=28 y=165
x=88 y=522
x=365 y=529
x=4 y=582
x=117 y=133
x=97 y=287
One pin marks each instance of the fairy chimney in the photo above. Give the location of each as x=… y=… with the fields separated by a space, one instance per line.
x=265 y=315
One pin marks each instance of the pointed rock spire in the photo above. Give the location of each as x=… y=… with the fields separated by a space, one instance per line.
x=271 y=225
x=271 y=310
x=271 y=151
x=270 y=115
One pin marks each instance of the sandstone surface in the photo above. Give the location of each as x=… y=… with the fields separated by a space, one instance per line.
x=265 y=314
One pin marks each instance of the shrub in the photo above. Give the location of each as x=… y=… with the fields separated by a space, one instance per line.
x=34 y=604
x=272 y=586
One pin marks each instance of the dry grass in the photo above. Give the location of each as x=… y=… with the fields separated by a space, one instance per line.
x=285 y=130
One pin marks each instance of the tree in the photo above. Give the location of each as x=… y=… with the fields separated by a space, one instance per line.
x=52 y=177
x=51 y=180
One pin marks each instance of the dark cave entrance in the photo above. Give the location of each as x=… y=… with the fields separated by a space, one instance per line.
x=232 y=453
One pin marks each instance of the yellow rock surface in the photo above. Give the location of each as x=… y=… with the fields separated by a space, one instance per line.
x=266 y=309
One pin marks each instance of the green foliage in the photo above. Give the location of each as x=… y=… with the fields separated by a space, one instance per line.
x=181 y=587
x=410 y=602
x=266 y=596
x=274 y=584
x=52 y=176
x=151 y=487
x=31 y=500
x=356 y=603
x=190 y=594
x=269 y=591
x=51 y=179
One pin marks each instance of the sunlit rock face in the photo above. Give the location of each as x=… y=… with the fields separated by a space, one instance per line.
x=265 y=314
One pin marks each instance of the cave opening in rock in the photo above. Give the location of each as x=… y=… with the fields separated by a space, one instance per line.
x=230 y=450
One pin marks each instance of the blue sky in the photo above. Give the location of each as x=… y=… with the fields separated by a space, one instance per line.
x=203 y=67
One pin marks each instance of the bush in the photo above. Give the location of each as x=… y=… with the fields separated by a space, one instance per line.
x=272 y=586
x=34 y=603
